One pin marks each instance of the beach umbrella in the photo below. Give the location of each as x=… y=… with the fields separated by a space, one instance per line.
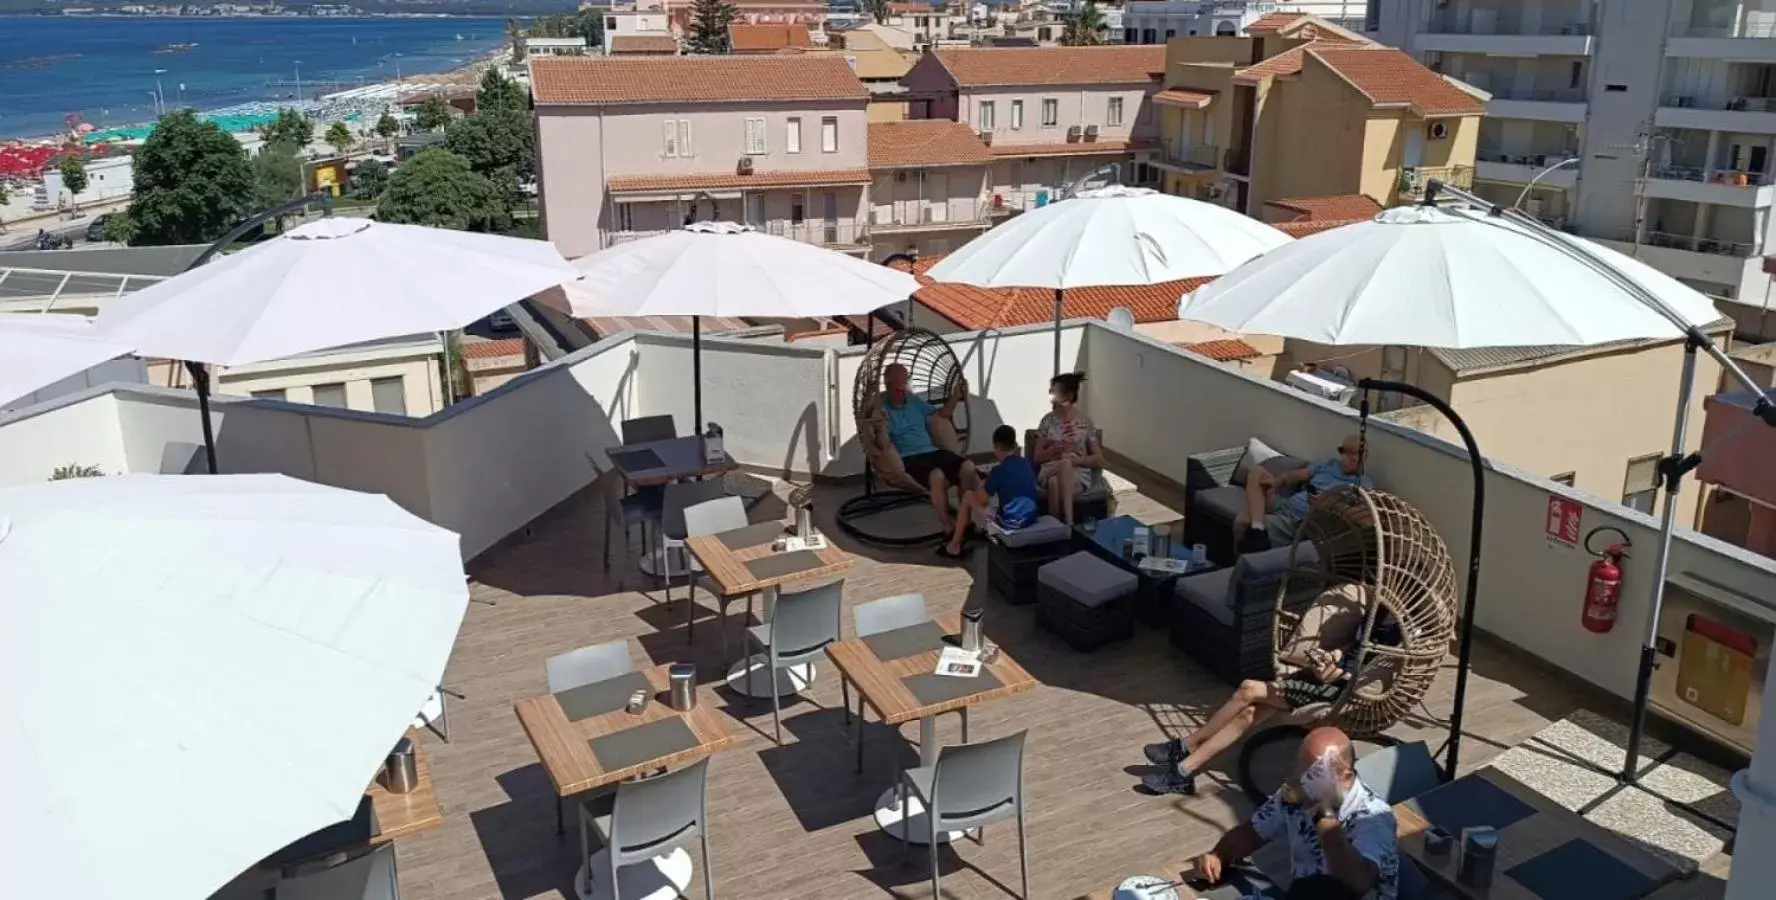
x=1107 y=237
x=216 y=665
x=1450 y=277
x=38 y=350
x=725 y=269
x=325 y=284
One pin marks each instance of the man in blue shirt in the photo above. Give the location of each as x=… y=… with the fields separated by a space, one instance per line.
x=927 y=463
x=1012 y=481
x=1277 y=502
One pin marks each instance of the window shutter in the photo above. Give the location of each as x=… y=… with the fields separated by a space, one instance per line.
x=669 y=143
x=684 y=137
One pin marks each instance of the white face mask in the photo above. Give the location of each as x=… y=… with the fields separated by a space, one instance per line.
x=1320 y=781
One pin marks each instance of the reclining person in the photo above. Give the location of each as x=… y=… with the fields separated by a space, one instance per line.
x=1276 y=502
x=1012 y=483
x=935 y=467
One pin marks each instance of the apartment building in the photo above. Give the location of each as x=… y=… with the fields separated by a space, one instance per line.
x=1738 y=482
x=1662 y=106
x=632 y=147
x=1300 y=108
x=1049 y=115
x=1158 y=21
x=930 y=190
x=879 y=66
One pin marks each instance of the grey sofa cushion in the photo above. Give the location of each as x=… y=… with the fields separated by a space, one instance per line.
x=1222 y=502
x=1269 y=564
x=1090 y=581
x=1045 y=530
x=1210 y=592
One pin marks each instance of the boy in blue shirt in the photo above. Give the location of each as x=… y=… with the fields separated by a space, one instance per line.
x=1013 y=481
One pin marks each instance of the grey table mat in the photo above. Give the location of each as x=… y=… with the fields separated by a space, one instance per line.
x=642 y=744
x=1580 y=870
x=638 y=460
x=751 y=536
x=1467 y=802
x=901 y=643
x=780 y=564
x=601 y=697
x=929 y=688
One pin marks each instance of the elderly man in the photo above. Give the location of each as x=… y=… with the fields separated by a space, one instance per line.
x=927 y=463
x=1277 y=501
x=1341 y=835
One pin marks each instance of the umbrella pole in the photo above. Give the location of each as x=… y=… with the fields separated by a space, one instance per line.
x=200 y=379
x=1464 y=651
x=697 y=373
x=1059 y=297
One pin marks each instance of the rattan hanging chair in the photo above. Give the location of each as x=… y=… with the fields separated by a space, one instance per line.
x=933 y=373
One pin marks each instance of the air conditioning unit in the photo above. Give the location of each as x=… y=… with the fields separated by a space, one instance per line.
x=1439 y=130
x=744 y=167
x=1091 y=132
x=1074 y=132
x=987 y=136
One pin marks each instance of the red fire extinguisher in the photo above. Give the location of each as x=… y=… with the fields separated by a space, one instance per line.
x=1603 y=584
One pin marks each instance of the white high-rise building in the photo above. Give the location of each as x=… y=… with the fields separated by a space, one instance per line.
x=1667 y=106
x=1153 y=21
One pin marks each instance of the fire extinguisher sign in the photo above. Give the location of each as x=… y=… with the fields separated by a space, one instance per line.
x=1565 y=516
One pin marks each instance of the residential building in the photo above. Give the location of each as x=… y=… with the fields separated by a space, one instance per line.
x=1158 y=21
x=929 y=195
x=399 y=376
x=1663 y=103
x=811 y=13
x=927 y=23
x=1050 y=115
x=630 y=147
x=746 y=38
x=556 y=46
x=1739 y=484
x=641 y=44
x=107 y=178
x=643 y=28
x=1298 y=107
x=879 y=66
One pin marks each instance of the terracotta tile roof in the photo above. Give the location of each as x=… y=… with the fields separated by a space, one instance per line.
x=1389 y=77
x=493 y=349
x=1314 y=226
x=1338 y=207
x=1182 y=97
x=643 y=43
x=693 y=79
x=1287 y=62
x=693 y=181
x=1072 y=148
x=992 y=66
x=766 y=38
x=1225 y=350
x=975 y=308
x=1274 y=21
x=924 y=142
x=919 y=265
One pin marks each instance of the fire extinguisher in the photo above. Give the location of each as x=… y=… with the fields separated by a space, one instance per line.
x=1603 y=584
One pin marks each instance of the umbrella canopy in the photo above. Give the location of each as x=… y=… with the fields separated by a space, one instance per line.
x=40 y=350
x=1446 y=277
x=328 y=283
x=1109 y=236
x=724 y=269
x=222 y=661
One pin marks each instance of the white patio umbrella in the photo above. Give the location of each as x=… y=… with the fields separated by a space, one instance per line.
x=38 y=350
x=725 y=269
x=325 y=284
x=1450 y=277
x=1105 y=237
x=195 y=672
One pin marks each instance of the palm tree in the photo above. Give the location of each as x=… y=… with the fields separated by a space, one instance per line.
x=516 y=36
x=1086 y=27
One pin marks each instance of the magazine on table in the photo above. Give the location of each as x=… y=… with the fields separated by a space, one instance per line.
x=959 y=663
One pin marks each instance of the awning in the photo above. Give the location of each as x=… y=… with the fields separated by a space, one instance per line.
x=732 y=181
x=1183 y=98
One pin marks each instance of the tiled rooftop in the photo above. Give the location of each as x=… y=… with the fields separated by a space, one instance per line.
x=650 y=44
x=1389 y=77
x=976 y=308
x=493 y=349
x=1313 y=226
x=916 y=143
x=758 y=179
x=1274 y=21
x=1071 y=148
x=1005 y=66
x=1182 y=97
x=1337 y=207
x=1225 y=350
x=1287 y=62
x=693 y=79
x=765 y=38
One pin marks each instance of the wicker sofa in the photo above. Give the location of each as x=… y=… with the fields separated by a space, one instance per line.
x=1214 y=489
x=1225 y=619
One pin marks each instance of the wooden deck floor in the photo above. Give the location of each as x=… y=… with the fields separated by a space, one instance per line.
x=793 y=822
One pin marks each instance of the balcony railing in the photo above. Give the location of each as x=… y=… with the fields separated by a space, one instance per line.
x=1414 y=180
x=1541 y=160
x=909 y=214
x=1742 y=249
x=1200 y=157
x=1732 y=177
x=1750 y=23
x=1013 y=201
x=1733 y=104
x=1478 y=22
x=1545 y=95
x=825 y=234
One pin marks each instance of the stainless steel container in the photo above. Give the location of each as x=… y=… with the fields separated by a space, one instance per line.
x=804 y=522
x=1479 y=852
x=400 y=772
x=971 y=630
x=681 y=693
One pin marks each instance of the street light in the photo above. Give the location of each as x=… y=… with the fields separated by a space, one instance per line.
x=1569 y=161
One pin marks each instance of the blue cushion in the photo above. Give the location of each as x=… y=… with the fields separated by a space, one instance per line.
x=1086 y=579
x=1210 y=592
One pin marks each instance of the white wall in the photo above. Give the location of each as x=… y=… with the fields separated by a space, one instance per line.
x=77 y=429
x=781 y=388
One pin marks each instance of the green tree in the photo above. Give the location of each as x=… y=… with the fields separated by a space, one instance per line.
x=437 y=188
x=709 y=25
x=192 y=182
x=499 y=145
x=290 y=127
x=339 y=136
x=496 y=92
x=387 y=126
x=432 y=115
x=879 y=10
x=73 y=170
x=369 y=179
x=277 y=175
x=1085 y=27
x=515 y=36
x=120 y=228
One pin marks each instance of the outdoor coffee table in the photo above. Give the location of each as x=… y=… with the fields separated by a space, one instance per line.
x=399 y=815
x=893 y=674
x=1152 y=598
x=661 y=462
x=1545 y=850
x=742 y=562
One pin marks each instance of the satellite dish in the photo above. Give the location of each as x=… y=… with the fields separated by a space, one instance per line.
x=1122 y=319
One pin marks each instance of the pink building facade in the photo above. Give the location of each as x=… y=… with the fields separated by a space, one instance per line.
x=930 y=189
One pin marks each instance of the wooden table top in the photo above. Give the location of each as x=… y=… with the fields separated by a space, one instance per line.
x=1549 y=827
x=565 y=748
x=728 y=567
x=399 y=815
x=680 y=457
x=879 y=683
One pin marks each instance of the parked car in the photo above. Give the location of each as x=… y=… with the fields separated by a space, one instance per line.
x=502 y=321
x=95 y=231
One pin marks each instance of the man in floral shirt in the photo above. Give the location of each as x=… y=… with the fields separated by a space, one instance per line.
x=1340 y=834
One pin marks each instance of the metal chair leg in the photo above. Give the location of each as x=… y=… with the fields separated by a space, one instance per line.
x=845 y=697
x=586 y=850
x=560 y=827
x=860 y=735
x=1023 y=852
x=906 y=823
x=776 y=701
x=964 y=724
x=708 y=873
x=931 y=819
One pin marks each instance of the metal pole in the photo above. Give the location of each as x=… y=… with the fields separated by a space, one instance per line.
x=1060 y=297
x=697 y=372
x=1571 y=160
x=200 y=379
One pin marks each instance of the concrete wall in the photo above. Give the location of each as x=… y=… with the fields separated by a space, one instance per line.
x=1321 y=103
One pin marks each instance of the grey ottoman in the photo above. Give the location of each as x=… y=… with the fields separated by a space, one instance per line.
x=1014 y=557
x=1086 y=601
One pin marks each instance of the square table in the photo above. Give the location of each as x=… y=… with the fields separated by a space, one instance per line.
x=739 y=562
x=399 y=815
x=903 y=688
x=1541 y=843
x=1153 y=596
x=661 y=462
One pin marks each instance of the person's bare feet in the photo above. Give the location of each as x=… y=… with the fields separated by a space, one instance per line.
x=953 y=548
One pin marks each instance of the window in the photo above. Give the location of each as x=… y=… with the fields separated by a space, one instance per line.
x=829 y=134
x=754 y=211
x=1017 y=115
x=1615 y=88
x=624 y=221
x=792 y=136
x=1171 y=33
x=1641 y=485
x=986 y=116
x=1131 y=35
x=669 y=141
x=1149 y=36
x=1113 y=115
x=330 y=395
x=1565 y=478
x=755 y=137
x=610 y=23
x=797 y=213
x=684 y=138
x=1051 y=112
x=1578 y=72
x=274 y=394
x=389 y=395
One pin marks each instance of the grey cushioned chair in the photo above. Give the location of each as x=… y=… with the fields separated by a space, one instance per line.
x=680 y=496
x=363 y=874
x=875 y=617
x=801 y=627
x=710 y=517
x=644 y=819
x=1089 y=504
x=970 y=787
x=624 y=511
x=648 y=428
x=586 y=665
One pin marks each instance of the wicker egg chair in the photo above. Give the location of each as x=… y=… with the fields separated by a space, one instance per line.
x=933 y=372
